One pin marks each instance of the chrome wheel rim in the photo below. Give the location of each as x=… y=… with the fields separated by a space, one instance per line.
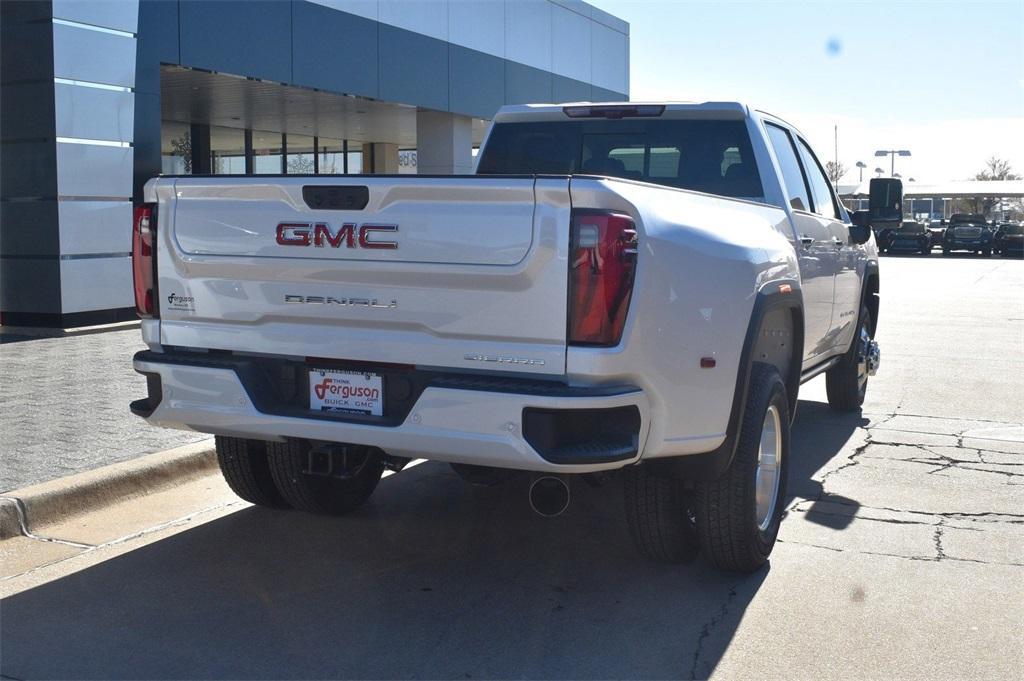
x=769 y=468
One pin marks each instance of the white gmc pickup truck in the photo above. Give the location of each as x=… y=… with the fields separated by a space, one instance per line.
x=638 y=288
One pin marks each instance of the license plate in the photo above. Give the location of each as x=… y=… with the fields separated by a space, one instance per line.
x=346 y=391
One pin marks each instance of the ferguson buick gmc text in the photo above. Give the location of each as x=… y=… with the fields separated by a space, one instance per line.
x=638 y=288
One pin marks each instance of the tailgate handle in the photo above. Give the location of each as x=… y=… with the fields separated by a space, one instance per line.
x=336 y=197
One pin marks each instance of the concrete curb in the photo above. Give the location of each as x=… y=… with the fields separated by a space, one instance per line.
x=39 y=505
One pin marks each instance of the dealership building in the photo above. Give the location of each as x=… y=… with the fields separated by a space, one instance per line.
x=98 y=96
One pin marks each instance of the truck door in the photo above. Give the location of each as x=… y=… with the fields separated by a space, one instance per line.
x=846 y=296
x=816 y=250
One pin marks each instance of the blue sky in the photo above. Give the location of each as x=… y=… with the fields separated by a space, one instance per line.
x=943 y=79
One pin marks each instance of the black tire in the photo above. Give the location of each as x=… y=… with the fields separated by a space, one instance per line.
x=726 y=508
x=945 y=251
x=323 y=494
x=245 y=468
x=844 y=384
x=658 y=512
x=987 y=252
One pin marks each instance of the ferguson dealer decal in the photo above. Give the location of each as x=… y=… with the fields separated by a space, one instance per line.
x=349 y=235
x=181 y=303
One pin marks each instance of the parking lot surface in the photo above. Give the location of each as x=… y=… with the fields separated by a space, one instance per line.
x=64 y=405
x=902 y=554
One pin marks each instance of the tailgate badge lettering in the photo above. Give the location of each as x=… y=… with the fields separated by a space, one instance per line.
x=343 y=301
x=501 y=359
x=349 y=235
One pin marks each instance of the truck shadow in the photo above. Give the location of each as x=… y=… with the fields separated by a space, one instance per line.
x=432 y=579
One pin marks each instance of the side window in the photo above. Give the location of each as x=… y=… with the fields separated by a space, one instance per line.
x=796 y=188
x=820 y=190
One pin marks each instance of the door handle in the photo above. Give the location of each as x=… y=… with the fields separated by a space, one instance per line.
x=837 y=242
x=806 y=240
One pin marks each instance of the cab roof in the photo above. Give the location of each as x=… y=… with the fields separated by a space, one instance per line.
x=582 y=110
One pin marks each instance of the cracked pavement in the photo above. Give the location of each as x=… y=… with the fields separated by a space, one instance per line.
x=901 y=554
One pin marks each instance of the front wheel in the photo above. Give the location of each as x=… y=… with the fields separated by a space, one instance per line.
x=739 y=514
x=846 y=383
x=987 y=253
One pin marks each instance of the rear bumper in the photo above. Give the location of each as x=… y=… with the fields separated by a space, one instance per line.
x=470 y=424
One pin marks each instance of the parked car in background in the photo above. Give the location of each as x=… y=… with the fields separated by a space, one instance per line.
x=936 y=230
x=968 y=232
x=910 y=237
x=1009 y=240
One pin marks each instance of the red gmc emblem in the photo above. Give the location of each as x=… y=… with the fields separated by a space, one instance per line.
x=319 y=234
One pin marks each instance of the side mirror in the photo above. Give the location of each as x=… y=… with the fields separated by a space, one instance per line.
x=885 y=203
x=860 y=230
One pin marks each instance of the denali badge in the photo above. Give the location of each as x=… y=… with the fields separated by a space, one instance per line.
x=500 y=359
x=331 y=300
x=319 y=234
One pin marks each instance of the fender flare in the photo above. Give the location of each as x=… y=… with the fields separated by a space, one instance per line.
x=711 y=465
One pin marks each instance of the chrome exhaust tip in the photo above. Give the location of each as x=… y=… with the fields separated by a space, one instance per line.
x=549 y=496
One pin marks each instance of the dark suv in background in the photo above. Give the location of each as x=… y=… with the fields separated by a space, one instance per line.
x=968 y=232
x=910 y=237
x=1009 y=240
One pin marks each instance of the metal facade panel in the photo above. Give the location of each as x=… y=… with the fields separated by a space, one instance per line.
x=92 y=170
x=322 y=61
x=96 y=284
x=93 y=56
x=243 y=37
x=477 y=82
x=413 y=68
x=570 y=44
x=525 y=84
x=120 y=15
x=95 y=227
x=90 y=113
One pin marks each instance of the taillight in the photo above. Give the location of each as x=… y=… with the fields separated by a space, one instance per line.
x=143 y=263
x=602 y=266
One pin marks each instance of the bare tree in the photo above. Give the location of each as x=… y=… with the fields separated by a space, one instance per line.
x=835 y=171
x=997 y=169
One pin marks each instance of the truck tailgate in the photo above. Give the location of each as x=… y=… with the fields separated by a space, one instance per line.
x=459 y=272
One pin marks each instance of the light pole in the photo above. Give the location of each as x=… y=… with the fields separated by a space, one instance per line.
x=879 y=172
x=861 y=165
x=892 y=154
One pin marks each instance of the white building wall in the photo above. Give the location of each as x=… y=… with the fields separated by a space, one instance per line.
x=94 y=73
x=566 y=37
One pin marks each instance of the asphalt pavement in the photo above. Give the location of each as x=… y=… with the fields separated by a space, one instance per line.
x=901 y=555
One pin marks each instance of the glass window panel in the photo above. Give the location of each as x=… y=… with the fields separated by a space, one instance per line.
x=791 y=173
x=330 y=156
x=266 y=150
x=175 y=148
x=227 y=151
x=300 y=155
x=355 y=160
x=821 y=190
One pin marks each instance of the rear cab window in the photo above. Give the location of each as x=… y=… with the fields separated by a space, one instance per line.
x=706 y=155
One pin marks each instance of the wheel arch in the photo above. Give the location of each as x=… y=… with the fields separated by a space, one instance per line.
x=775 y=335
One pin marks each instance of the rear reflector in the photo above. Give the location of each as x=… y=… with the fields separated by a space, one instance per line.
x=143 y=263
x=601 y=270
x=615 y=111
